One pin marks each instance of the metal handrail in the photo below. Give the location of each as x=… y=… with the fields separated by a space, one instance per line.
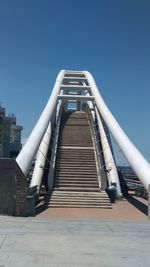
x=54 y=150
x=101 y=168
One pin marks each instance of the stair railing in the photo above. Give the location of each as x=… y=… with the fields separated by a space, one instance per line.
x=54 y=147
x=102 y=178
x=108 y=170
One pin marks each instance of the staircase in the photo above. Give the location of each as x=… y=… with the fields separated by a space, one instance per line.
x=76 y=176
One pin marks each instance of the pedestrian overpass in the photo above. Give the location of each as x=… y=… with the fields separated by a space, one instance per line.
x=69 y=151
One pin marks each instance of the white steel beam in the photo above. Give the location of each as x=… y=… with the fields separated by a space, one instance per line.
x=76 y=79
x=41 y=160
x=83 y=87
x=30 y=148
x=76 y=97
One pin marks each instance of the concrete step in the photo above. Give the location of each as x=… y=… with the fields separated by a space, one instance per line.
x=79 y=167
x=77 y=170
x=72 y=144
x=68 y=152
x=71 y=175
x=71 y=153
x=76 y=160
x=76 y=193
x=79 y=203
x=97 y=195
x=81 y=184
x=75 y=165
x=76 y=185
x=75 y=173
x=85 y=152
x=79 y=206
x=75 y=188
x=69 y=197
x=76 y=178
x=76 y=150
x=72 y=199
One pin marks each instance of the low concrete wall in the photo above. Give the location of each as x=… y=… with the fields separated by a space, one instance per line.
x=13 y=186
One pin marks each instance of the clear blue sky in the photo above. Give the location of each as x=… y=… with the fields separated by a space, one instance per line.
x=110 y=38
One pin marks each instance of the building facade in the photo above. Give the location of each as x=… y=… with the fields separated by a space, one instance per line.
x=10 y=135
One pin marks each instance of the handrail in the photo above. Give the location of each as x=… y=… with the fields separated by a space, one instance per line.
x=101 y=171
x=54 y=148
x=110 y=165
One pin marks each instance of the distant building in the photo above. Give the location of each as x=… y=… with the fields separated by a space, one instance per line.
x=10 y=135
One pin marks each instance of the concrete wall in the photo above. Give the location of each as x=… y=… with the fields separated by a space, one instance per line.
x=13 y=186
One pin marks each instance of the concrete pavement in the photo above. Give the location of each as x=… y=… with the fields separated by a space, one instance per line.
x=66 y=243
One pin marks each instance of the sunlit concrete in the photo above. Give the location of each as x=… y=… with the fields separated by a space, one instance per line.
x=67 y=243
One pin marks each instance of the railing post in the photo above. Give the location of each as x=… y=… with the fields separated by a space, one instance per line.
x=149 y=202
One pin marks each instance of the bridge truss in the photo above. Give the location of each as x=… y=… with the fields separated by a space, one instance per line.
x=77 y=89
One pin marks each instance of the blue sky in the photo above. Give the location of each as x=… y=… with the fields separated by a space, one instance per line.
x=110 y=38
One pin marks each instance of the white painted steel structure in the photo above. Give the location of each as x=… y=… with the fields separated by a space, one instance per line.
x=80 y=82
x=139 y=164
x=41 y=159
x=30 y=148
x=111 y=168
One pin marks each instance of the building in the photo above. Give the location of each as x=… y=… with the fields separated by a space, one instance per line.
x=10 y=135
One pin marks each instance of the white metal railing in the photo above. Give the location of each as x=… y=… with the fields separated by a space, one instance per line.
x=54 y=149
x=110 y=165
x=99 y=159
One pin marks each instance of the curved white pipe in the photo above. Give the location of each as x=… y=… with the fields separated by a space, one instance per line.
x=139 y=164
x=41 y=159
x=111 y=169
x=29 y=150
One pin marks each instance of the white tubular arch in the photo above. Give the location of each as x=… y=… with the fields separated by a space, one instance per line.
x=41 y=159
x=134 y=157
x=29 y=150
x=139 y=164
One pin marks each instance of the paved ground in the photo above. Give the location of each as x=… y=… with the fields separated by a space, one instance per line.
x=132 y=209
x=66 y=243
x=67 y=237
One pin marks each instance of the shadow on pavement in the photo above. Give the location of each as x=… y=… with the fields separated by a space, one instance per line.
x=40 y=209
x=137 y=204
